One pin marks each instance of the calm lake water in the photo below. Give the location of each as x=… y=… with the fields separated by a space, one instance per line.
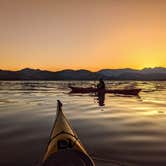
x=126 y=130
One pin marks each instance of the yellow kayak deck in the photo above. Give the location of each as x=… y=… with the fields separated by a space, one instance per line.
x=64 y=148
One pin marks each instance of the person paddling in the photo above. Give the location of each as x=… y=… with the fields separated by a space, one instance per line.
x=101 y=84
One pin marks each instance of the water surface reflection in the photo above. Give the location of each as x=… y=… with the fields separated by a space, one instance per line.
x=130 y=130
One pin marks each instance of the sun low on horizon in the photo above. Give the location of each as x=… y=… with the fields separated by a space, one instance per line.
x=94 y=34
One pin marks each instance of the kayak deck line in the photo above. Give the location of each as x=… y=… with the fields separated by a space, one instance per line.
x=63 y=132
x=64 y=147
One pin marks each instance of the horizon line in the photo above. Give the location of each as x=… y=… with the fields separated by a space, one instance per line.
x=81 y=69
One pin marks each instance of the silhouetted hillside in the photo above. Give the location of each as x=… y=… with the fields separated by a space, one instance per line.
x=157 y=73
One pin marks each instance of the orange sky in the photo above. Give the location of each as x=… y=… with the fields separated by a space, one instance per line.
x=89 y=34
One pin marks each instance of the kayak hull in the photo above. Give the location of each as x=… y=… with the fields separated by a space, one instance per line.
x=95 y=90
x=64 y=145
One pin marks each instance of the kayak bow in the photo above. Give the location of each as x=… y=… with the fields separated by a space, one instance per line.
x=64 y=148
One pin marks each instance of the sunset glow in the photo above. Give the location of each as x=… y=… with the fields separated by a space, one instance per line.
x=62 y=34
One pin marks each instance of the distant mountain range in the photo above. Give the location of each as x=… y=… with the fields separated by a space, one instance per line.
x=158 y=73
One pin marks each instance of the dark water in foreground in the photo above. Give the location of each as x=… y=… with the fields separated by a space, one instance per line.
x=127 y=130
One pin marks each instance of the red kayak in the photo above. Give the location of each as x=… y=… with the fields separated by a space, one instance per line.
x=95 y=90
